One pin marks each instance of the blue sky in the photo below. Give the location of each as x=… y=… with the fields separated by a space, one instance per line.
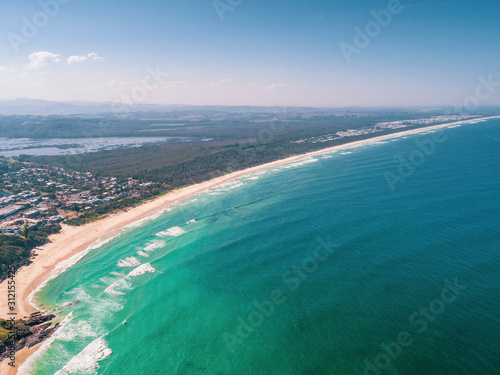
x=260 y=53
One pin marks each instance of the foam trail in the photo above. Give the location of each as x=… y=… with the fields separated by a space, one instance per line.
x=86 y=362
x=71 y=331
x=142 y=269
x=128 y=262
x=113 y=292
x=120 y=284
x=27 y=367
x=295 y=164
x=172 y=232
x=79 y=293
x=155 y=244
x=152 y=217
x=64 y=265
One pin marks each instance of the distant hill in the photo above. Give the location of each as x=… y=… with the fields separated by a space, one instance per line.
x=37 y=107
x=22 y=106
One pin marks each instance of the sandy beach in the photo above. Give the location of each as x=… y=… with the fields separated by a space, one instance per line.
x=73 y=240
x=21 y=356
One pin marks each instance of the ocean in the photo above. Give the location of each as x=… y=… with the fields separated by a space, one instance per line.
x=379 y=259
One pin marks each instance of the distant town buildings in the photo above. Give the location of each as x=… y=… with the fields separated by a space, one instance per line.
x=383 y=126
x=40 y=195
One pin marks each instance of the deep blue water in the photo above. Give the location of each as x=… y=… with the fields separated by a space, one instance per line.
x=384 y=260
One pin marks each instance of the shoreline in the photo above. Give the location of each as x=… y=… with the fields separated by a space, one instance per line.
x=77 y=241
x=21 y=356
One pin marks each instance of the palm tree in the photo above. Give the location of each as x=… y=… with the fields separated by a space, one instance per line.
x=26 y=231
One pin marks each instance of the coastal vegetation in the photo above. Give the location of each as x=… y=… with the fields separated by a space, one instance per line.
x=26 y=332
x=16 y=250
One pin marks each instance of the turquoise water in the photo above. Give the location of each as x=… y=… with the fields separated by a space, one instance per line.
x=347 y=263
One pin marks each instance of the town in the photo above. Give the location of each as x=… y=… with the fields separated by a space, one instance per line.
x=34 y=195
x=383 y=126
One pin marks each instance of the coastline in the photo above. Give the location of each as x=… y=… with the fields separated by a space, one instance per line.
x=72 y=241
x=21 y=356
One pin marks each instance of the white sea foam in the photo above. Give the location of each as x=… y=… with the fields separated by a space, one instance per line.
x=120 y=284
x=153 y=245
x=346 y=153
x=79 y=294
x=107 y=280
x=111 y=290
x=300 y=163
x=154 y=216
x=128 y=262
x=86 y=362
x=63 y=266
x=142 y=269
x=191 y=221
x=27 y=367
x=71 y=331
x=143 y=254
x=173 y=232
x=233 y=184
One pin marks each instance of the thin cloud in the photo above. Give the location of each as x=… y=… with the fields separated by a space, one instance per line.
x=268 y=87
x=215 y=84
x=274 y=86
x=79 y=59
x=41 y=59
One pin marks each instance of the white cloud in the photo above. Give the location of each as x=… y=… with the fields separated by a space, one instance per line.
x=220 y=83
x=41 y=59
x=274 y=86
x=268 y=87
x=78 y=59
x=176 y=84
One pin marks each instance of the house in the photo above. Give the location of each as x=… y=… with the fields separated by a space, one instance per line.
x=55 y=219
x=10 y=231
x=31 y=214
x=10 y=210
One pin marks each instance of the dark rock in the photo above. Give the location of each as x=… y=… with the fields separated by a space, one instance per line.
x=31 y=331
x=37 y=318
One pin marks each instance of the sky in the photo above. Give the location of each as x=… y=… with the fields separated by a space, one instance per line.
x=252 y=52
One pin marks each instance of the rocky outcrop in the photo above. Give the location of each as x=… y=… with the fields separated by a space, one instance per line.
x=29 y=332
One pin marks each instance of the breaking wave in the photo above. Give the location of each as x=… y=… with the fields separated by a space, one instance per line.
x=87 y=361
x=128 y=262
x=141 y=270
x=172 y=232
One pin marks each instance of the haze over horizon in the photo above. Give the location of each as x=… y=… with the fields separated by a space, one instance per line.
x=251 y=53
